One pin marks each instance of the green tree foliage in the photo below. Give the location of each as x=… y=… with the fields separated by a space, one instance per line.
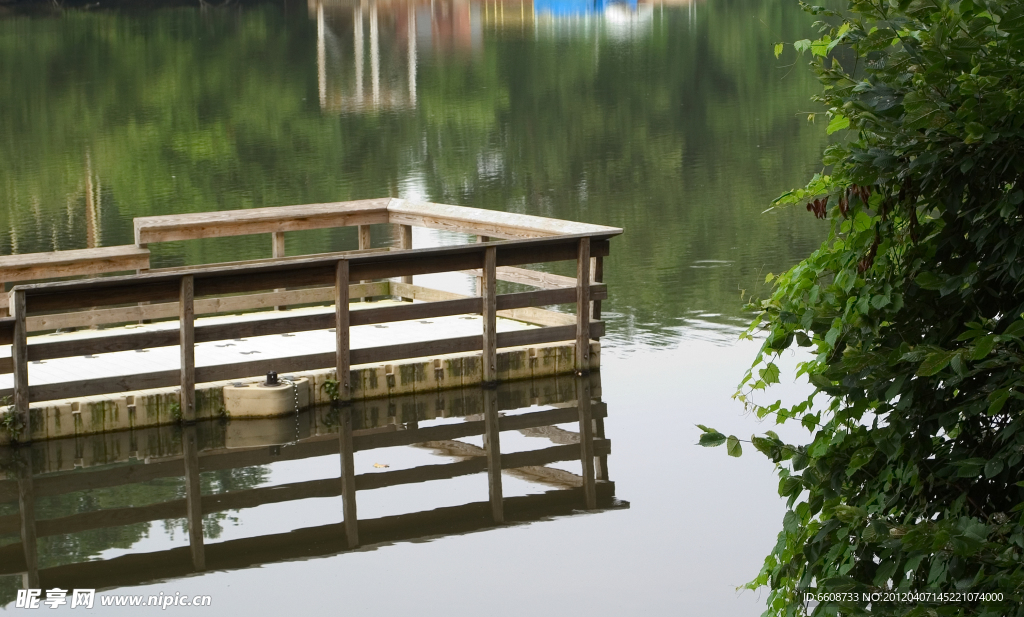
x=911 y=313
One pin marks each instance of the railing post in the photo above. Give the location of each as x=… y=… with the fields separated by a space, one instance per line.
x=586 y=441
x=19 y=352
x=277 y=242
x=492 y=445
x=27 y=511
x=480 y=279
x=583 y=307
x=193 y=497
x=187 y=342
x=405 y=242
x=489 y=299
x=341 y=332
x=364 y=243
x=348 y=478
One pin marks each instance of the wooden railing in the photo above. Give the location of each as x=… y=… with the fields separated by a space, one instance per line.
x=182 y=288
x=592 y=489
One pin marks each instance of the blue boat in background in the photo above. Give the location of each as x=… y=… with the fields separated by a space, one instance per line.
x=572 y=8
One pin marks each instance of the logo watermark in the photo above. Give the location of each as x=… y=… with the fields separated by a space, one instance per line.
x=86 y=598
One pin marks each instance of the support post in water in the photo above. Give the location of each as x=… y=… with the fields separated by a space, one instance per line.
x=341 y=332
x=20 y=356
x=193 y=498
x=597 y=274
x=277 y=240
x=187 y=334
x=27 y=510
x=348 y=478
x=489 y=310
x=583 y=307
x=492 y=446
x=586 y=442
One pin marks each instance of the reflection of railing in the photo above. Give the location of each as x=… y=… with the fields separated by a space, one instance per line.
x=594 y=490
x=535 y=240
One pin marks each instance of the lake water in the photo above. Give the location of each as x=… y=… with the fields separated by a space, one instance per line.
x=672 y=121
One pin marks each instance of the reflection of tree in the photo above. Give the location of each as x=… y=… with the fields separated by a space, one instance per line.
x=680 y=135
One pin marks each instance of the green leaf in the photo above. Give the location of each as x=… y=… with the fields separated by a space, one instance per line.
x=733 y=447
x=996 y=401
x=711 y=439
x=1015 y=329
x=993 y=467
x=934 y=362
x=778 y=49
x=802 y=45
x=975 y=130
x=838 y=123
x=770 y=373
x=927 y=280
x=983 y=347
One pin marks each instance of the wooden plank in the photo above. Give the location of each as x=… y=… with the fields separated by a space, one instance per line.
x=365 y=241
x=78 y=262
x=207 y=306
x=277 y=244
x=19 y=354
x=534 y=278
x=169 y=228
x=341 y=331
x=187 y=342
x=99 y=292
x=348 y=478
x=490 y=315
x=583 y=307
x=268 y=261
x=492 y=447
x=485 y=222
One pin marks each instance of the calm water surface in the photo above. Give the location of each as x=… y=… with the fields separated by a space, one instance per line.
x=674 y=122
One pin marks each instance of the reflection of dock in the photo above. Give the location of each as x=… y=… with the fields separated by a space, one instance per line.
x=187 y=452
x=367 y=52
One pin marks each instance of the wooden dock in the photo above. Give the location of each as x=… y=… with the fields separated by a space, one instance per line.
x=497 y=247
